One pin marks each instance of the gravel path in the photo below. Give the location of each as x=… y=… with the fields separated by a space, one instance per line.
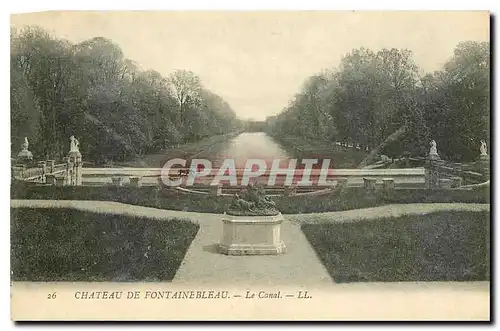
x=395 y=210
x=111 y=207
x=203 y=265
x=116 y=208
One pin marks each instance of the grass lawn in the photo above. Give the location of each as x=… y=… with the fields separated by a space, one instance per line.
x=71 y=245
x=442 y=246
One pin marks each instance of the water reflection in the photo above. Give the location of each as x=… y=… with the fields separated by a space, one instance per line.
x=248 y=145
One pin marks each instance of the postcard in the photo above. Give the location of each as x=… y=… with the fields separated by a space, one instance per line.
x=250 y=165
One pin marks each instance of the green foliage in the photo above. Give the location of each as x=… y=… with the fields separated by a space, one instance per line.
x=72 y=245
x=92 y=91
x=380 y=101
x=457 y=101
x=442 y=246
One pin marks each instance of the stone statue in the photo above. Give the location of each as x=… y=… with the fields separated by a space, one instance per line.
x=433 y=150
x=25 y=154
x=254 y=203
x=74 y=144
x=483 y=148
x=241 y=204
x=25 y=144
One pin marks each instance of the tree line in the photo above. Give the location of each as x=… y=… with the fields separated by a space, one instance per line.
x=115 y=109
x=383 y=102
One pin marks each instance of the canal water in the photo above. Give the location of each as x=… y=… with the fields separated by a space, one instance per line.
x=247 y=145
x=251 y=145
x=257 y=145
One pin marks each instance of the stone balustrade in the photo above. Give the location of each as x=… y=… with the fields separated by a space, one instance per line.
x=290 y=190
x=117 y=181
x=216 y=189
x=60 y=180
x=135 y=181
x=369 y=183
x=445 y=183
x=388 y=184
x=51 y=166
x=456 y=182
x=342 y=183
x=50 y=179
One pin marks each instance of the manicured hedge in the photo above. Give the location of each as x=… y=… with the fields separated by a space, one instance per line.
x=349 y=198
x=72 y=245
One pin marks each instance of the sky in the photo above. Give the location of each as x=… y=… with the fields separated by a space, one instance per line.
x=257 y=61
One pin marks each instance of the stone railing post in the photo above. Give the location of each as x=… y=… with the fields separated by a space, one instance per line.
x=432 y=174
x=50 y=165
x=68 y=174
x=388 y=184
x=458 y=167
x=79 y=171
x=484 y=164
x=43 y=166
x=369 y=184
x=50 y=179
x=445 y=183
x=456 y=182
x=60 y=180
x=136 y=181
x=18 y=170
x=290 y=190
x=74 y=169
x=117 y=181
x=342 y=183
x=215 y=189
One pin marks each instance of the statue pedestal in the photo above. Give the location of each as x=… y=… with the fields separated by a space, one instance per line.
x=24 y=156
x=433 y=156
x=252 y=235
x=484 y=165
x=432 y=174
x=74 y=169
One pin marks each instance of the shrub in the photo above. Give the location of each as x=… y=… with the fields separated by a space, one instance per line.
x=349 y=198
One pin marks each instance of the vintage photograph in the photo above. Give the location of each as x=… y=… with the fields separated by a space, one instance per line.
x=313 y=149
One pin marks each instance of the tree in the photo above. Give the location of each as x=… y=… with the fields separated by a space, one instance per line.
x=46 y=65
x=457 y=101
x=397 y=112
x=185 y=87
x=92 y=91
x=381 y=101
